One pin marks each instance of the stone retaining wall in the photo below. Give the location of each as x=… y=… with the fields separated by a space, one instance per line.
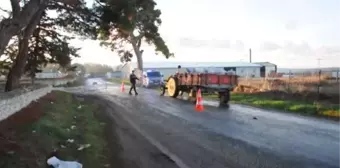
x=14 y=101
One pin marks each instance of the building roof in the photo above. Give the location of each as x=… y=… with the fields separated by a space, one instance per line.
x=197 y=64
x=265 y=63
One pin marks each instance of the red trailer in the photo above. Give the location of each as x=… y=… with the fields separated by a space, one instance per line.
x=221 y=84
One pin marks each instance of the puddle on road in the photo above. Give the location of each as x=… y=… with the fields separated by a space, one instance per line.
x=205 y=102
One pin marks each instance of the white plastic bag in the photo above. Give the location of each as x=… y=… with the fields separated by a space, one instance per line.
x=57 y=163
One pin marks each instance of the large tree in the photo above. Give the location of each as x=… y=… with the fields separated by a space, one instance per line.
x=23 y=13
x=47 y=46
x=70 y=17
x=130 y=22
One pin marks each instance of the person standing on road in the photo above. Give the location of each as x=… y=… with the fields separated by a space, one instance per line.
x=133 y=79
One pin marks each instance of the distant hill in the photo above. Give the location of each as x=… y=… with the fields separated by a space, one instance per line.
x=287 y=70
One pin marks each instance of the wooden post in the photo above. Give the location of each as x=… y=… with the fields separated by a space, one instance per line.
x=318 y=89
x=288 y=84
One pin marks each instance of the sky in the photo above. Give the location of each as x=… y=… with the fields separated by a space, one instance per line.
x=289 y=33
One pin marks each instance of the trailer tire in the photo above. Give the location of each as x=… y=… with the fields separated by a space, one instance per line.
x=224 y=98
x=172 y=86
x=192 y=95
x=162 y=90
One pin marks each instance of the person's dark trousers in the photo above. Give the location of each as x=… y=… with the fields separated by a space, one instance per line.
x=133 y=86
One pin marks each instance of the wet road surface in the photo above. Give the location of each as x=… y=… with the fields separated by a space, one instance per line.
x=219 y=137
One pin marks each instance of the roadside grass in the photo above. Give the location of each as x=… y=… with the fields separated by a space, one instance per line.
x=65 y=126
x=301 y=107
x=78 y=82
x=119 y=81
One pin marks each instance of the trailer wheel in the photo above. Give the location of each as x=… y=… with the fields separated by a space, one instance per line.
x=192 y=96
x=162 y=90
x=224 y=98
x=172 y=86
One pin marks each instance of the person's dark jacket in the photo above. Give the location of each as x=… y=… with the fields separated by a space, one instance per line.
x=133 y=78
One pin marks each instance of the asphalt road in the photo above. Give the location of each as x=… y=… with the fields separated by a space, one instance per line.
x=219 y=137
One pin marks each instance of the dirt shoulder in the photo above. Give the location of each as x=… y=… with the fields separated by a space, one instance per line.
x=58 y=124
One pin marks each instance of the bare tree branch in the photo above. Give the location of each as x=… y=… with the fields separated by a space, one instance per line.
x=68 y=2
x=99 y=3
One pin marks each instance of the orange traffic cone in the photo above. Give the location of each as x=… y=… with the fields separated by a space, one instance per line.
x=199 y=101
x=122 y=88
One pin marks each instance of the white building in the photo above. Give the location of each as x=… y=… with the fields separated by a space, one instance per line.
x=116 y=74
x=243 y=69
x=267 y=68
x=49 y=75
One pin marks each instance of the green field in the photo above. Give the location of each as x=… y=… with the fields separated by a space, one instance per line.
x=302 y=107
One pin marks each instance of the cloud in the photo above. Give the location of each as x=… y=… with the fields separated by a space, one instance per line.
x=220 y=44
x=197 y=43
x=269 y=46
x=291 y=25
x=213 y=43
x=301 y=49
x=328 y=51
x=192 y=43
x=298 y=49
x=238 y=45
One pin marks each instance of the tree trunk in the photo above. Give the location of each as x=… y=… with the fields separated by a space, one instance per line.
x=20 y=20
x=139 y=57
x=138 y=53
x=139 y=60
x=14 y=75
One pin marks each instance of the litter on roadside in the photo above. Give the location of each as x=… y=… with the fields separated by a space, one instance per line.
x=57 y=163
x=84 y=146
x=70 y=140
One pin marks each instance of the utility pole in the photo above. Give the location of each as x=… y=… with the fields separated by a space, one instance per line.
x=319 y=62
x=319 y=74
x=250 y=55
